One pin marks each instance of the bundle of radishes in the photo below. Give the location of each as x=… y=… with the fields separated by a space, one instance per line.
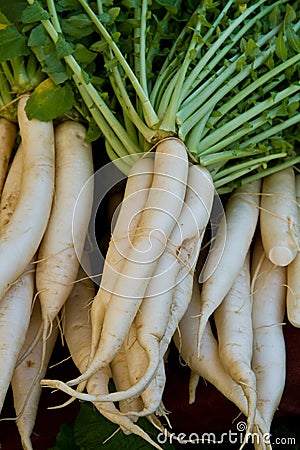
x=192 y=100
x=150 y=292
x=40 y=247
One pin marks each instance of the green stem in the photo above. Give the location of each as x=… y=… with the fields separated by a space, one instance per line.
x=142 y=53
x=249 y=129
x=93 y=94
x=216 y=45
x=127 y=107
x=207 y=145
x=248 y=165
x=120 y=163
x=158 y=96
x=223 y=157
x=170 y=57
x=192 y=112
x=261 y=81
x=272 y=131
x=169 y=120
x=149 y=113
x=8 y=73
x=5 y=90
x=261 y=174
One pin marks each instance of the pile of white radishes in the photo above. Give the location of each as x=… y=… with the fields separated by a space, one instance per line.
x=43 y=172
x=224 y=307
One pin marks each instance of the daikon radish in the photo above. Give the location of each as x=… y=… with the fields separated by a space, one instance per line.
x=232 y=242
x=293 y=271
x=207 y=363
x=26 y=378
x=135 y=195
x=77 y=330
x=154 y=312
x=235 y=337
x=11 y=189
x=279 y=217
x=63 y=242
x=21 y=237
x=269 y=355
x=162 y=209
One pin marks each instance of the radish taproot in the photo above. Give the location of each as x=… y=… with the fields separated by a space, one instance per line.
x=268 y=292
x=293 y=270
x=228 y=253
x=136 y=192
x=26 y=378
x=206 y=363
x=153 y=315
x=235 y=336
x=16 y=303
x=279 y=217
x=77 y=328
x=11 y=189
x=161 y=211
x=23 y=234
x=15 y=310
x=63 y=241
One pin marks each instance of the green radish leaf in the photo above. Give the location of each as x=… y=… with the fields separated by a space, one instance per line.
x=13 y=9
x=49 y=101
x=65 y=439
x=290 y=15
x=37 y=36
x=169 y=5
x=77 y=26
x=13 y=43
x=110 y=16
x=3 y=20
x=93 y=431
x=280 y=47
x=63 y=47
x=66 y=5
x=130 y=3
x=93 y=132
x=99 y=46
x=293 y=39
x=83 y=55
x=46 y=53
x=274 y=17
x=34 y=12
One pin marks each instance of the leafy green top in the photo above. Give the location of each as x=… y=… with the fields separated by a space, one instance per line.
x=223 y=76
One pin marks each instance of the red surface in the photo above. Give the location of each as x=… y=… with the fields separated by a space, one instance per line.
x=210 y=413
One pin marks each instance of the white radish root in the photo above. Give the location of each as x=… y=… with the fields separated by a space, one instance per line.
x=157 y=220
x=26 y=378
x=232 y=242
x=21 y=237
x=207 y=363
x=293 y=278
x=268 y=361
x=279 y=217
x=15 y=310
x=235 y=337
x=135 y=195
x=62 y=244
x=77 y=328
